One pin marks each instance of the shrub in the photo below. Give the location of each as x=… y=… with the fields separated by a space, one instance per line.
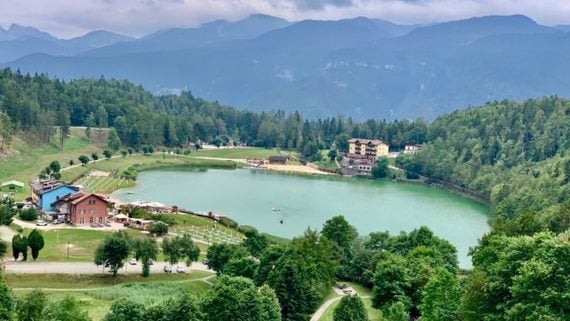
x=30 y=214
x=158 y=228
x=246 y=229
x=226 y=221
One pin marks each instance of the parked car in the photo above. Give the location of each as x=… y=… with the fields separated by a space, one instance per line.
x=167 y=269
x=41 y=223
x=133 y=262
x=57 y=221
x=180 y=269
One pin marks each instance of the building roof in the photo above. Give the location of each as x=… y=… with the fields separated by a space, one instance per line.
x=43 y=185
x=366 y=141
x=17 y=183
x=56 y=188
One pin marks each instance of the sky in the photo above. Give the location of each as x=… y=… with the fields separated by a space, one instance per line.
x=69 y=18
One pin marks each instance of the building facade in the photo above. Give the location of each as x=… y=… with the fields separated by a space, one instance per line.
x=86 y=209
x=367 y=148
x=48 y=198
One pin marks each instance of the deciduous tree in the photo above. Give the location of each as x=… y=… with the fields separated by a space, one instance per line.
x=350 y=308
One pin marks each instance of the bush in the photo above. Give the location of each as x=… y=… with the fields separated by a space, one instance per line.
x=245 y=229
x=158 y=229
x=30 y=214
x=228 y=222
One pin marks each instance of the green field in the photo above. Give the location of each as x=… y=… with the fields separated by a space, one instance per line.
x=96 y=292
x=243 y=153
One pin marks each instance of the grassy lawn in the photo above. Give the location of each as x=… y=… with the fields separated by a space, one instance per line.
x=82 y=244
x=144 y=162
x=96 y=294
x=326 y=163
x=242 y=153
x=88 y=281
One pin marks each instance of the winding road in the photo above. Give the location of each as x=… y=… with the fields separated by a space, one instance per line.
x=85 y=267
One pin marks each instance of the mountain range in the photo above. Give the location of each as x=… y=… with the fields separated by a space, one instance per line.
x=357 y=67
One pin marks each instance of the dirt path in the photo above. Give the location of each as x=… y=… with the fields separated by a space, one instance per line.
x=85 y=268
x=6 y=233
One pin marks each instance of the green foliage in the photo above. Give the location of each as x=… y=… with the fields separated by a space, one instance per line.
x=36 y=243
x=30 y=214
x=7 y=211
x=183 y=308
x=107 y=154
x=126 y=310
x=66 y=309
x=220 y=254
x=245 y=266
x=397 y=312
x=7 y=304
x=228 y=222
x=113 y=252
x=230 y=298
x=158 y=228
x=441 y=297
x=342 y=234
x=392 y=282
x=145 y=249
x=180 y=247
x=31 y=306
x=519 y=278
x=380 y=168
x=332 y=154
x=20 y=246
x=114 y=140
x=301 y=276
x=94 y=156
x=83 y=159
x=350 y=308
x=3 y=249
x=255 y=242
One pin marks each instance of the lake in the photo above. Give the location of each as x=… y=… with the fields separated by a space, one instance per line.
x=248 y=196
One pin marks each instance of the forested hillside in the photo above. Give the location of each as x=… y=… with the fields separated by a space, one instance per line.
x=35 y=104
x=516 y=154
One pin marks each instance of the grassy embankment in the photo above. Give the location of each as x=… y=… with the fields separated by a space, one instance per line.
x=24 y=161
x=326 y=163
x=96 y=292
x=364 y=293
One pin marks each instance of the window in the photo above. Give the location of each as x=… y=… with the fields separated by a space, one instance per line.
x=91 y=220
x=100 y=220
x=82 y=221
x=91 y=211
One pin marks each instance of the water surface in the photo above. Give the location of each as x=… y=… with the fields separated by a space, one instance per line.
x=248 y=196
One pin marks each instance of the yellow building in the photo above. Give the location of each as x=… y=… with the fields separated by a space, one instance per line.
x=361 y=148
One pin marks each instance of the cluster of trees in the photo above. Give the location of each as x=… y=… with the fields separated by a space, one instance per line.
x=42 y=107
x=514 y=154
x=20 y=244
x=116 y=249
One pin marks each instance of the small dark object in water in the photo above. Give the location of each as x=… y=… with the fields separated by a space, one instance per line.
x=281 y=221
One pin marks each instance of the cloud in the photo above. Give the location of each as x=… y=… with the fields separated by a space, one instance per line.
x=68 y=18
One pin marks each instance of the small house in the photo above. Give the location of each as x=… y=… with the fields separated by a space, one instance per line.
x=281 y=160
x=412 y=148
x=12 y=187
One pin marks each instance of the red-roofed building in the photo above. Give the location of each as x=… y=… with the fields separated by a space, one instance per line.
x=84 y=209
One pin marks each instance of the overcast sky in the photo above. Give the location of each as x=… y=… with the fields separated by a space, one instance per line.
x=67 y=18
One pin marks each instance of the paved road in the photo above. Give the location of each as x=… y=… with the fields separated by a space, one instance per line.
x=323 y=308
x=85 y=268
x=6 y=233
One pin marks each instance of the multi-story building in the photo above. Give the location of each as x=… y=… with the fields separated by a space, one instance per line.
x=84 y=209
x=367 y=148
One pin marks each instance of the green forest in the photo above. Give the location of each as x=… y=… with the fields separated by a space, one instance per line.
x=512 y=154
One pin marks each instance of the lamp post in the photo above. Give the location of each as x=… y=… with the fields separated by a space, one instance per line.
x=57 y=237
x=68 y=243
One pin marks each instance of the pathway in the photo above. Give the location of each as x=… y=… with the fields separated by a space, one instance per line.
x=114 y=226
x=323 y=308
x=6 y=233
